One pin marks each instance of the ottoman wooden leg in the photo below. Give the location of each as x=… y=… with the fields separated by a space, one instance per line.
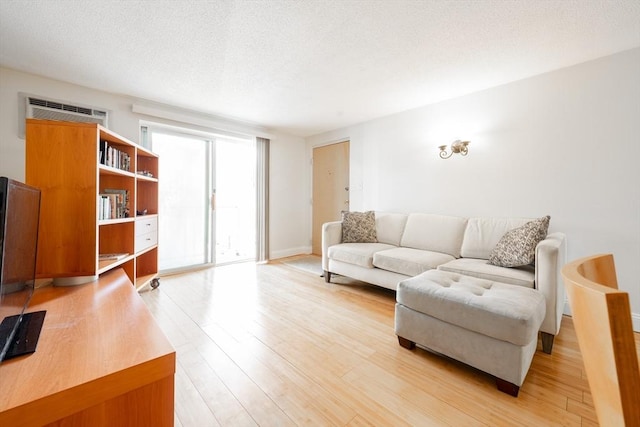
x=408 y=344
x=507 y=387
x=547 y=342
x=327 y=276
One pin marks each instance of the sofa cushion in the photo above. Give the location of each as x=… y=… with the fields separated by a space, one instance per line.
x=521 y=276
x=437 y=233
x=359 y=227
x=482 y=234
x=360 y=254
x=389 y=227
x=410 y=262
x=518 y=246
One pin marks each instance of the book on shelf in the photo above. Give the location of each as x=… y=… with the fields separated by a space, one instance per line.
x=112 y=257
x=104 y=206
x=111 y=156
x=113 y=204
x=122 y=201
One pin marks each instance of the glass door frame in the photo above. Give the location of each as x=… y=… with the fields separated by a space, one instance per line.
x=209 y=224
x=147 y=131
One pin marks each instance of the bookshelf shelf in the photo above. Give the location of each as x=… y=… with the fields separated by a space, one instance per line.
x=146 y=178
x=104 y=266
x=108 y=170
x=90 y=201
x=115 y=221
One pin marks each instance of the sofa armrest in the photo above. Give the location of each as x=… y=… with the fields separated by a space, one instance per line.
x=331 y=235
x=550 y=257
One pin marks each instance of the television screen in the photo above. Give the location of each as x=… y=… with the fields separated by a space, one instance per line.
x=19 y=216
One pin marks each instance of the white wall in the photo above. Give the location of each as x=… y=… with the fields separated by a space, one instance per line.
x=289 y=197
x=565 y=143
x=290 y=226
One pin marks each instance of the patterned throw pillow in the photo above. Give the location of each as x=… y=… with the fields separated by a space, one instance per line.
x=359 y=227
x=517 y=247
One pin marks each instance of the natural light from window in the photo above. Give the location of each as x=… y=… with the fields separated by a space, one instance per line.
x=207 y=206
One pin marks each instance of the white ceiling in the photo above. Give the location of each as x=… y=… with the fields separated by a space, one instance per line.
x=307 y=66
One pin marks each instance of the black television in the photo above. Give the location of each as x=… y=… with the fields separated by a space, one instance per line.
x=19 y=220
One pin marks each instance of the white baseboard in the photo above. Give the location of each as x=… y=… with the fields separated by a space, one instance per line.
x=303 y=250
x=635 y=317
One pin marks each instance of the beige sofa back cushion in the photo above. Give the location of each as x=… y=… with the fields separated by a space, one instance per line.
x=482 y=235
x=389 y=227
x=438 y=233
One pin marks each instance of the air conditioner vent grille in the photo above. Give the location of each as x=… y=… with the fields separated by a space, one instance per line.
x=60 y=106
x=39 y=108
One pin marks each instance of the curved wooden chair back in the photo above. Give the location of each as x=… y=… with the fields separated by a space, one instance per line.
x=602 y=320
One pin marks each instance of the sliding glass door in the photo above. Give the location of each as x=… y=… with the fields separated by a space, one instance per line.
x=207 y=208
x=235 y=200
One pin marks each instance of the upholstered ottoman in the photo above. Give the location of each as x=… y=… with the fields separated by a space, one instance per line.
x=489 y=325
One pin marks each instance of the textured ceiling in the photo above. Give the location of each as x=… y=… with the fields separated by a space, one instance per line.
x=307 y=66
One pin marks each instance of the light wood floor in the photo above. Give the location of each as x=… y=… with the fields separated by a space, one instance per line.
x=271 y=345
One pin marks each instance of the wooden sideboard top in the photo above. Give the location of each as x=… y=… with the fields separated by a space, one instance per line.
x=98 y=341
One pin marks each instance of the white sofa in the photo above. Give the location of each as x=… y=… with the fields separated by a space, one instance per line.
x=409 y=244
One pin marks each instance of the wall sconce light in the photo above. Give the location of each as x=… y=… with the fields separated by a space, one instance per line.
x=457 y=146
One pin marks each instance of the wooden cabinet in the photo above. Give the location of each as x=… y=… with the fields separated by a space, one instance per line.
x=101 y=361
x=94 y=183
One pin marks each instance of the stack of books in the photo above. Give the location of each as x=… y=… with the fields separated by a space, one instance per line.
x=111 y=156
x=113 y=204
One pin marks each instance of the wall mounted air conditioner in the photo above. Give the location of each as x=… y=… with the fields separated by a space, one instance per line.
x=48 y=109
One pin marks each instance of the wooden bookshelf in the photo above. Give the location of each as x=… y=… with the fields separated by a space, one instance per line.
x=69 y=163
